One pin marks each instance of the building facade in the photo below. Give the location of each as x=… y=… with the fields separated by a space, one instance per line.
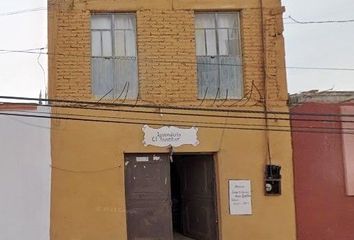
x=163 y=107
x=323 y=164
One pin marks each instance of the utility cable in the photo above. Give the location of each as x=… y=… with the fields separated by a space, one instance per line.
x=181 y=62
x=221 y=110
x=206 y=115
x=97 y=119
x=190 y=122
x=23 y=11
x=318 y=22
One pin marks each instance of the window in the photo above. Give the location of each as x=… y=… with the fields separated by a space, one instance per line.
x=218 y=50
x=114 y=55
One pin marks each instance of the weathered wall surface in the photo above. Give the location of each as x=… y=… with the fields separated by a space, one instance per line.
x=166 y=48
x=323 y=209
x=24 y=175
x=88 y=197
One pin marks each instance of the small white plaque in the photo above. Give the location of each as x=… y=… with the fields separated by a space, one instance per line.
x=240 y=197
x=170 y=136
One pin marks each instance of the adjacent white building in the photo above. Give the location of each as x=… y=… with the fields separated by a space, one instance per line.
x=25 y=173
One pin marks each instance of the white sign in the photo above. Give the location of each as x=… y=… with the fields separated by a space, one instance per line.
x=240 y=197
x=170 y=136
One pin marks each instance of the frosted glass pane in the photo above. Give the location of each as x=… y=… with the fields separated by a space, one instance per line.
x=100 y=22
x=106 y=44
x=130 y=43
x=96 y=43
x=119 y=43
x=205 y=20
x=235 y=44
x=211 y=42
x=200 y=42
x=226 y=20
x=124 y=21
x=126 y=75
x=223 y=42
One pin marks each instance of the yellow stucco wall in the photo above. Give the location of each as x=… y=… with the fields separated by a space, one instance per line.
x=88 y=200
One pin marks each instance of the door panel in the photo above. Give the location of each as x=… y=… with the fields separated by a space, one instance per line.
x=198 y=197
x=148 y=198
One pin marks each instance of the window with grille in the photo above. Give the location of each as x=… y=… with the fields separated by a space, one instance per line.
x=219 y=58
x=114 y=55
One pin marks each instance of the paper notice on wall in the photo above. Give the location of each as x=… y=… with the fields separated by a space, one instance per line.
x=240 y=197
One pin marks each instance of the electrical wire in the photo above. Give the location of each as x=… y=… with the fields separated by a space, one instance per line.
x=23 y=11
x=181 y=123
x=207 y=115
x=154 y=106
x=181 y=62
x=192 y=123
x=318 y=22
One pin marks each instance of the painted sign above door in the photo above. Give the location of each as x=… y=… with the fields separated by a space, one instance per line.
x=170 y=136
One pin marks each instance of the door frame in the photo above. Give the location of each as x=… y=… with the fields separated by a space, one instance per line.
x=217 y=190
x=217 y=186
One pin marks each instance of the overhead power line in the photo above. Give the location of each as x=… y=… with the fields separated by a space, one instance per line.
x=97 y=120
x=86 y=104
x=195 y=122
x=322 y=120
x=184 y=114
x=295 y=21
x=23 y=11
x=37 y=51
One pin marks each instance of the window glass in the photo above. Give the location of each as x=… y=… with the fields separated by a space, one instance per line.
x=124 y=21
x=218 y=53
x=223 y=42
x=234 y=43
x=113 y=37
x=204 y=20
x=211 y=42
x=130 y=43
x=200 y=42
x=101 y=22
x=96 y=43
x=119 y=43
x=106 y=44
x=226 y=20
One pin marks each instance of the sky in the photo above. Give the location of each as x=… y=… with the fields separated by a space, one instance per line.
x=306 y=45
x=319 y=45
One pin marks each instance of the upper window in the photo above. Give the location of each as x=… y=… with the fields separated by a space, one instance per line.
x=114 y=55
x=218 y=49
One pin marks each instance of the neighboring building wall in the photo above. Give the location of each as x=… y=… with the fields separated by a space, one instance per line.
x=24 y=174
x=348 y=150
x=323 y=209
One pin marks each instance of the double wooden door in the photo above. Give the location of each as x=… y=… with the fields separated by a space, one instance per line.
x=148 y=197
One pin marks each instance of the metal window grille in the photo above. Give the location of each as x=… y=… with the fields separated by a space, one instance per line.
x=219 y=60
x=114 y=55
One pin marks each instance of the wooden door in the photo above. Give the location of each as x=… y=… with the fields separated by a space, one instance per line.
x=199 y=212
x=148 y=198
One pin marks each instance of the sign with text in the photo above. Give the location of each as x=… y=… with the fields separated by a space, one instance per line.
x=240 y=197
x=170 y=136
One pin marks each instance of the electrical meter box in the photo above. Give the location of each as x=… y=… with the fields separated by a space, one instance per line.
x=272 y=181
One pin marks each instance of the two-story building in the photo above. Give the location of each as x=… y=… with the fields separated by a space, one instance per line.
x=167 y=111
